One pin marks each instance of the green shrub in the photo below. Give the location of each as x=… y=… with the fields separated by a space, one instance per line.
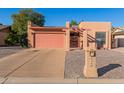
x=11 y=39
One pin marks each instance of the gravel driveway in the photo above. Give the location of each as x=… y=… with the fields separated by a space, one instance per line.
x=5 y=51
x=110 y=64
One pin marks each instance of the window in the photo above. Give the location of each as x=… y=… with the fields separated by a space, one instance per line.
x=100 y=39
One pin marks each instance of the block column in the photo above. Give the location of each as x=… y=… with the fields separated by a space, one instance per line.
x=107 y=40
x=85 y=40
x=110 y=40
x=29 y=34
x=81 y=39
x=116 y=43
x=90 y=69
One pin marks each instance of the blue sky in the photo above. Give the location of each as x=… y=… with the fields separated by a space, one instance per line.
x=58 y=16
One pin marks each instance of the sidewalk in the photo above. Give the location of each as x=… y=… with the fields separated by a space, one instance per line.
x=12 y=80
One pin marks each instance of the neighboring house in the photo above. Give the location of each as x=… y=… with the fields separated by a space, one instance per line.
x=4 y=30
x=57 y=37
x=118 y=37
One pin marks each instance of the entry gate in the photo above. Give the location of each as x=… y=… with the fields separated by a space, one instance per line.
x=90 y=69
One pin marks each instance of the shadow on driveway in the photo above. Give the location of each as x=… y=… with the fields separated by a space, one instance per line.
x=101 y=71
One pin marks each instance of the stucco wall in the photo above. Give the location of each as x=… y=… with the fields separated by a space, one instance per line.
x=94 y=27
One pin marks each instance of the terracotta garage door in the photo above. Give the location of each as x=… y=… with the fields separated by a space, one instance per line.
x=45 y=40
x=121 y=42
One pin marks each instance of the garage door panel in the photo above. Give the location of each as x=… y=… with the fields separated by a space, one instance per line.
x=121 y=42
x=49 y=40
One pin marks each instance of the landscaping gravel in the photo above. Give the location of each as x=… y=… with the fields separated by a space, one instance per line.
x=110 y=64
x=74 y=62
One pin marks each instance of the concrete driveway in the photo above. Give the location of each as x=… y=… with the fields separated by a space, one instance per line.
x=44 y=63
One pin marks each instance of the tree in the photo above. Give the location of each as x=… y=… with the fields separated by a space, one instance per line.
x=19 y=26
x=73 y=23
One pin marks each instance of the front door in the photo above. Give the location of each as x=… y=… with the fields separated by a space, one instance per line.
x=74 y=40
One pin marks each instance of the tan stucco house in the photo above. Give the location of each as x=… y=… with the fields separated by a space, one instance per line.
x=63 y=37
x=4 y=30
x=118 y=37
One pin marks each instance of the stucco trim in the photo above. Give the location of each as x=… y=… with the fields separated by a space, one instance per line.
x=48 y=32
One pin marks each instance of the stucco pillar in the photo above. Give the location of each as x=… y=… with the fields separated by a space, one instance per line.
x=110 y=39
x=90 y=69
x=85 y=40
x=81 y=39
x=92 y=44
x=107 y=40
x=67 y=46
x=29 y=34
x=116 y=43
